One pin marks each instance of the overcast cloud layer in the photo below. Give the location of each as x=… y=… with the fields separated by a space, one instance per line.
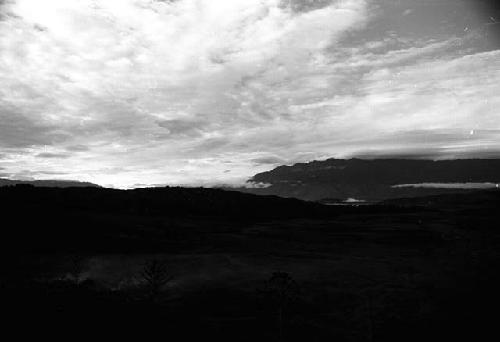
x=142 y=92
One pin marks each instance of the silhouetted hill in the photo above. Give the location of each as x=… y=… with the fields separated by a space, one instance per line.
x=48 y=183
x=373 y=180
x=48 y=218
x=166 y=201
x=110 y=218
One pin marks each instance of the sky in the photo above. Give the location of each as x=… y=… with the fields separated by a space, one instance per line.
x=131 y=93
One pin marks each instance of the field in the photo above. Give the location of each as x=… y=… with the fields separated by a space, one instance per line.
x=381 y=273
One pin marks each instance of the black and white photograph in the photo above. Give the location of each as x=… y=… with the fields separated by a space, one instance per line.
x=250 y=170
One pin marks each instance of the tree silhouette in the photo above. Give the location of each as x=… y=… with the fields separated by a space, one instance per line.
x=77 y=264
x=155 y=276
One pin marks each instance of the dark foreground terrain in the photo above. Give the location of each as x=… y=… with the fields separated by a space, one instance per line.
x=201 y=264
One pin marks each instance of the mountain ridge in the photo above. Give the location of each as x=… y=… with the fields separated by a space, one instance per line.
x=372 y=179
x=49 y=183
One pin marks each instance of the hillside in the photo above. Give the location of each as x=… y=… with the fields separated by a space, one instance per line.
x=373 y=180
x=48 y=183
x=73 y=218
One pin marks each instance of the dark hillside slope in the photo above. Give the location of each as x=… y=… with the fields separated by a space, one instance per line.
x=167 y=201
x=35 y=218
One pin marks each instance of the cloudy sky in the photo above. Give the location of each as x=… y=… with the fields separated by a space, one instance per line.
x=128 y=93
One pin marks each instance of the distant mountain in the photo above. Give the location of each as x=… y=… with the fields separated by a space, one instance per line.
x=48 y=183
x=376 y=180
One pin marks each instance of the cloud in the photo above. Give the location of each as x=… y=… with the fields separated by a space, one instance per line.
x=407 y=12
x=178 y=127
x=305 y=6
x=127 y=76
x=78 y=148
x=17 y=130
x=179 y=92
x=273 y=160
x=52 y=155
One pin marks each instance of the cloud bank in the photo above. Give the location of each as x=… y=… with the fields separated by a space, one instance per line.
x=122 y=92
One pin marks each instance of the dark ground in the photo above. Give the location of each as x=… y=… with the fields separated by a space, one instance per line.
x=409 y=270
